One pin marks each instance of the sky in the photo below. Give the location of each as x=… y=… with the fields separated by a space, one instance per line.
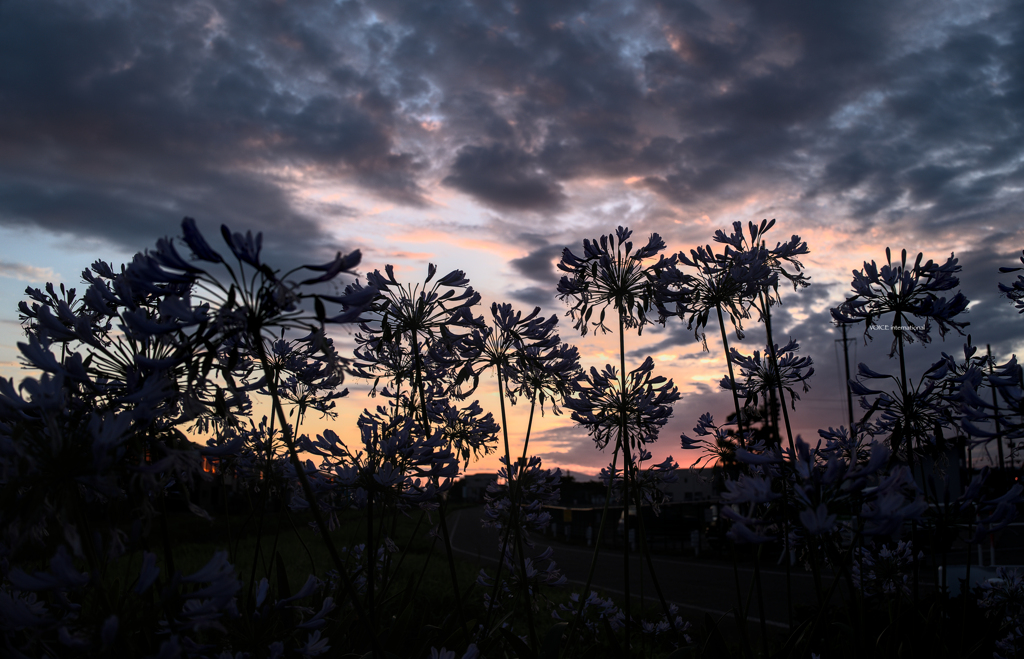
x=487 y=136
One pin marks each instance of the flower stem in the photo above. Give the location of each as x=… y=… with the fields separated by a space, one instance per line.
x=767 y=315
x=314 y=508
x=514 y=492
x=593 y=560
x=627 y=468
x=442 y=504
x=732 y=377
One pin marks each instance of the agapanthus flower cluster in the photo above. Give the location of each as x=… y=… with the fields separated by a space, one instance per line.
x=732 y=281
x=1003 y=597
x=849 y=449
x=883 y=571
x=254 y=452
x=908 y=418
x=669 y=622
x=410 y=329
x=782 y=260
x=638 y=411
x=309 y=374
x=717 y=442
x=908 y=292
x=647 y=481
x=512 y=344
x=472 y=652
x=992 y=514
x=193 y=610
x=713 y=283
x=355 y=560
x=597 y=614
x=532 y=487
x=823 y=483
x=1015 y=291
x=611 y=274
x=535 y=488
x=399 y=463
x=759 y=378
x=997 y=420
x=547 y=377
x=467 y=431
x=747 y=495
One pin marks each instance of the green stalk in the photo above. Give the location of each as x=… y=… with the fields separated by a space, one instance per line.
x=732 y=377
x=741 y=610
x=514 y=491
x=995 y=408
x=265 y=494
x=370 y=561
x=650 y=564
x=508 y=531
x=909 y=439
x=760 y=600
x=627 y=467
x=307 y=491
x=593 y=560
x=443 y=503
x=766 y=314
x=529 y=424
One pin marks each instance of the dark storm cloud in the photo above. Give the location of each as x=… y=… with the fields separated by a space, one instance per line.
x=907 y=115
x=504 y=178
x=536 y=296
x=116 y=121
x=539 y=264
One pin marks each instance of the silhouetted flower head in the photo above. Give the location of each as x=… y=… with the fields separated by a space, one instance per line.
x=435 y=308
x=907 y=292
x=712 y=282
x=611 y=274
x=535 y=487
x=648 y=481
x=550 y=376
x=1015 y=291
x=467 y=430
x=759 y=378
x=512 y=344
x=415 y=329
x=602 y=406
x=717 y=443
x=884 y=571
x=752 y=249
x=910 y=419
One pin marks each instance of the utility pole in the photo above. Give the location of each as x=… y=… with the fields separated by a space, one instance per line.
x=849 y=392
x=995 y=408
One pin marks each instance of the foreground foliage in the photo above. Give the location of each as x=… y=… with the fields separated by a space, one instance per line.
x=95 y=459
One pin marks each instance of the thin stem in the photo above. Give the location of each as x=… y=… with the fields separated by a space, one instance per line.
x=371 y=553
x=593 y=560
x=627 y=467
x=314 y=508
x=741 y=611
x=514 y=512
x=766 y=314
x=645 y=549
x=265 y=494
x=443 y=502
x=908 y=438
x=995 y=409
x=529 y=424
x=732 y=376
x=760 y=600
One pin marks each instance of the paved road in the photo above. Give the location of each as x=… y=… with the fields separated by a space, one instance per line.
x=696 y=586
